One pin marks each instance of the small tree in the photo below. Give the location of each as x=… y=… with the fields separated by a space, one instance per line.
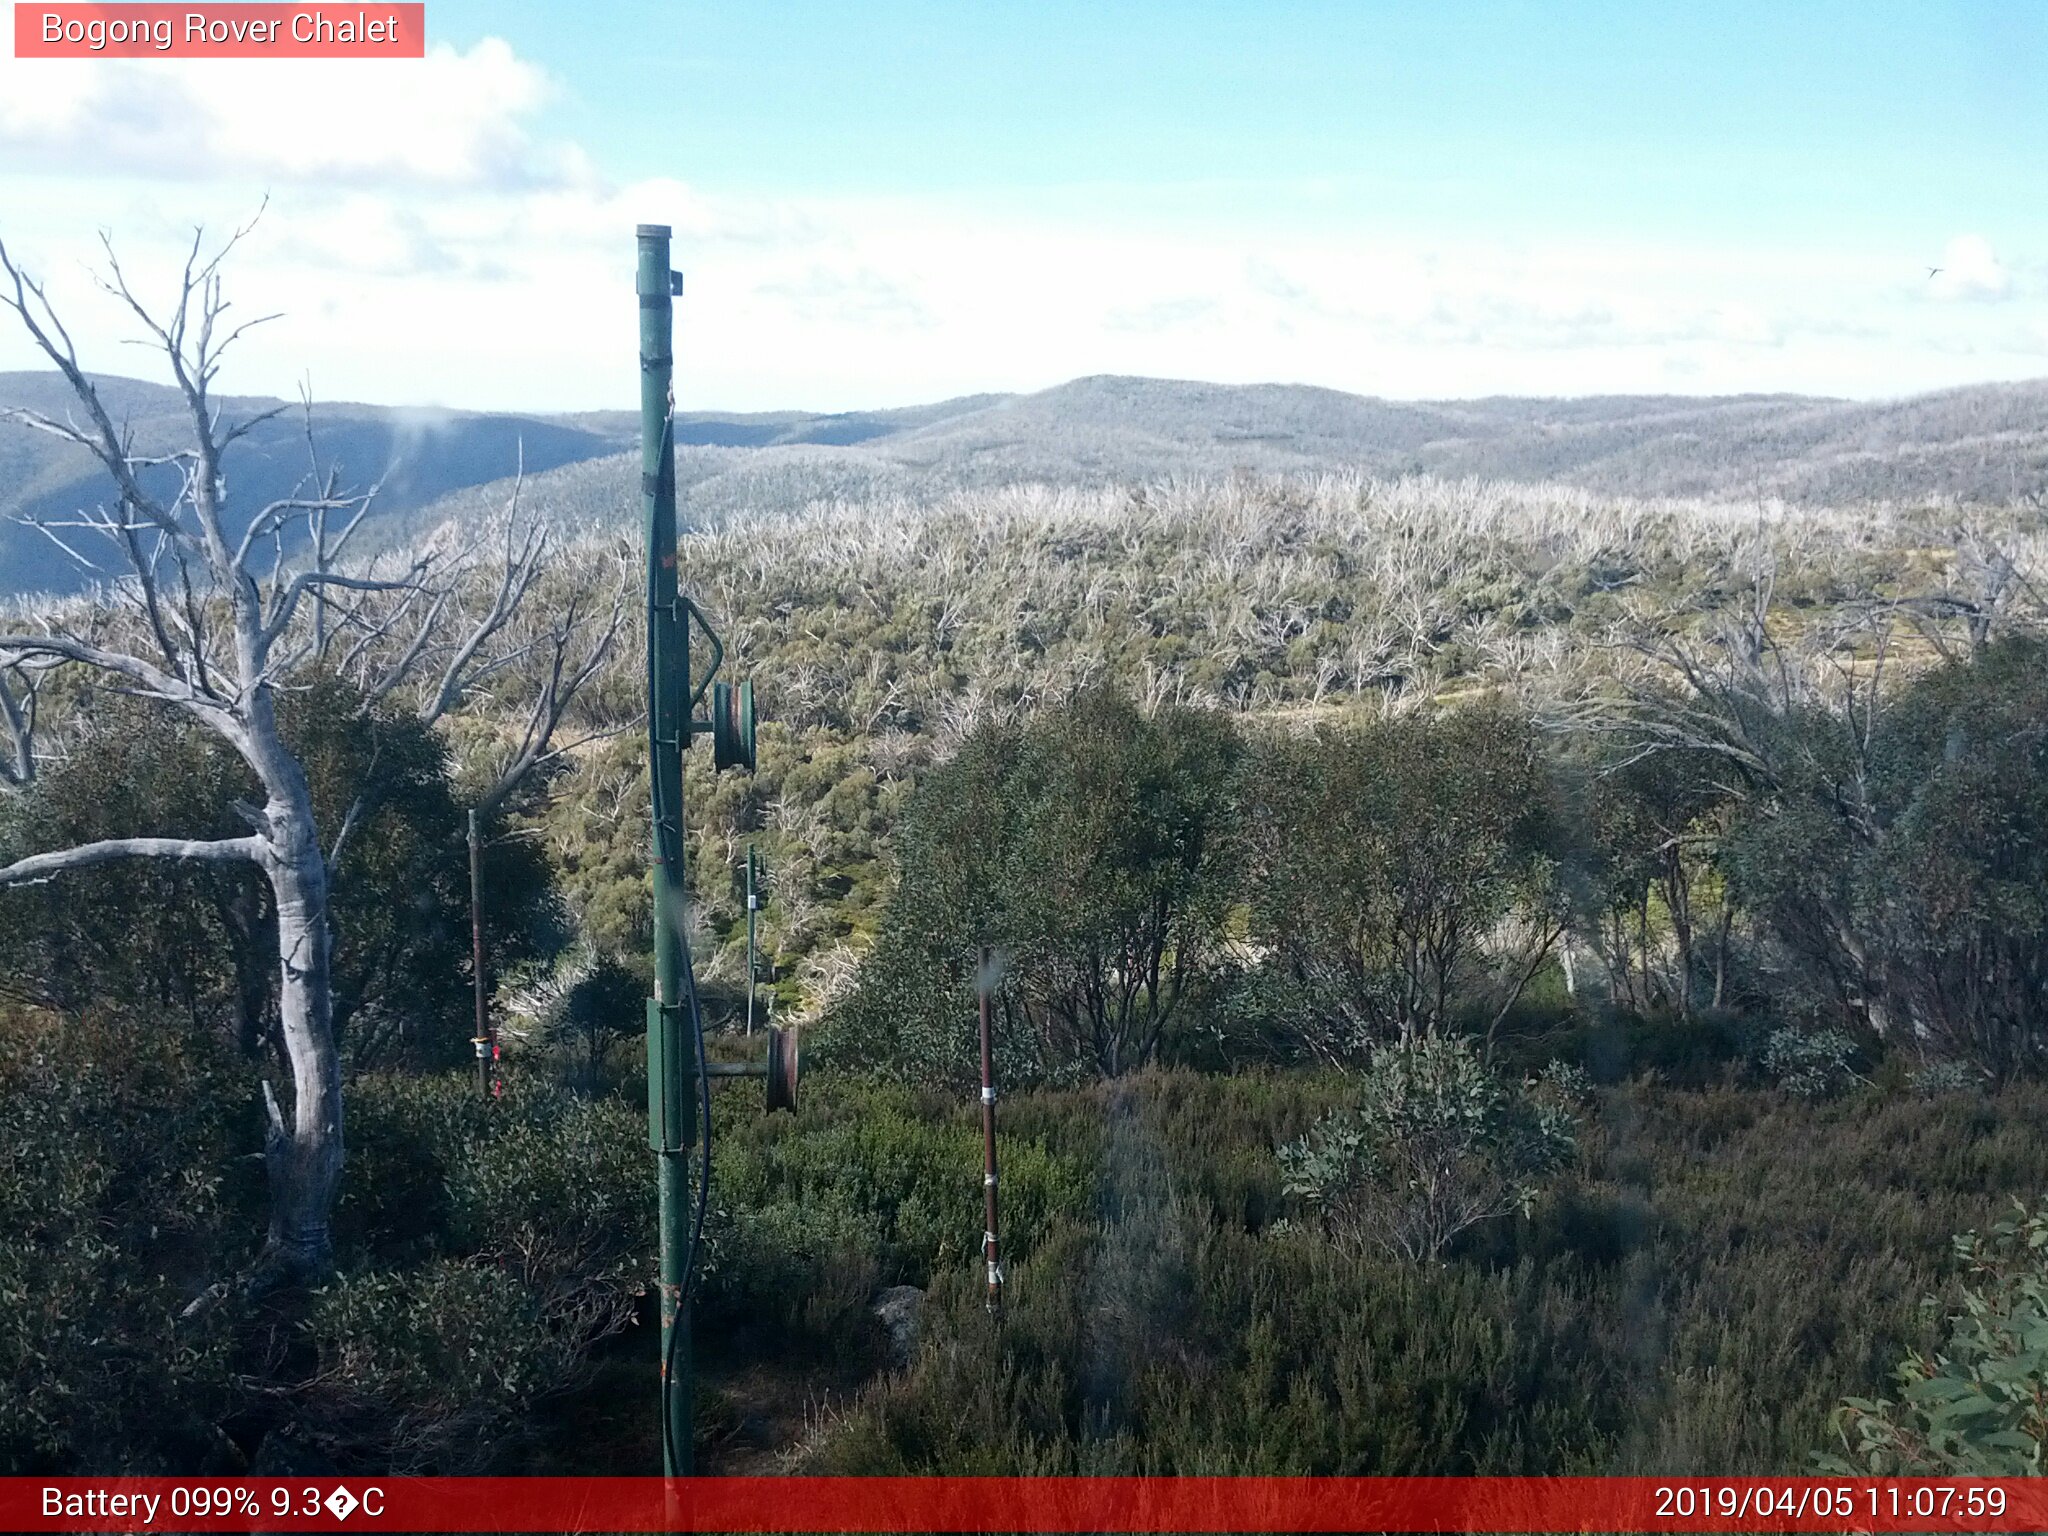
x=1657 y=823
x=213 y=615
x=582 y=1005
x=1090 y=852
x=198 y=940
x=1119 y=876
x=1436 y=1144
x=1405 y=873
x=1886 y=834
x=1954 y=896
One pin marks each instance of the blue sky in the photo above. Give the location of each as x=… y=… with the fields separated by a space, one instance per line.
x=1706 y=119
x=891 y=201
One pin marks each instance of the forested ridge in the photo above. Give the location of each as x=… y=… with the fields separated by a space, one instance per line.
x=1668 y=876
x=1984 y=445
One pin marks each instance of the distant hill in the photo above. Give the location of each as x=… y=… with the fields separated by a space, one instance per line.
x=1987 y=443
x=419 y=456
x=1983 y=444
x=1978 y=444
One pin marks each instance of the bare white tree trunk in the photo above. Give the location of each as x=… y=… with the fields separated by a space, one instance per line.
x=303 y=1156
x=209 y=637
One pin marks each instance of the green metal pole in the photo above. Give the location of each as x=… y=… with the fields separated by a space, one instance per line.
x=753 y=907
x=671 y=1061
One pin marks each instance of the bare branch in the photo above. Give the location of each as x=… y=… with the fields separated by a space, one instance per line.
x=380 y=688
x=515 y=579
x=18 y=719
x=552 y=702
x=156 y=683
x=48 y=532
x=287 y=602
x=41 y=866
x=273 y=517
x=32 y=306
x=356 y=811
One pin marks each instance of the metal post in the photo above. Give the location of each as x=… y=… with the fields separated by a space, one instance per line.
x=753 y=906
x=671 y=1063
x=989 y=1250
x=482 y=1042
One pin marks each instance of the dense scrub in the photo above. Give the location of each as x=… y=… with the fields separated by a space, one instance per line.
x=485 y=1249
x=199 y=941
x=1720 y=1269
x=1173 y=886
x=1716 y=1268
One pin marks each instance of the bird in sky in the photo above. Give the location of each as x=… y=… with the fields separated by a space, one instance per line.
x=1934 y=272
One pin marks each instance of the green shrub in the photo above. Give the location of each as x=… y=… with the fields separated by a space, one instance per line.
x=1435 y=1144
x=1948 y=1076
x=564 y=1206
x=1977 y=1406
x=426 y=1370
x=1716 y=1270
x=1406 y=874
x=127 y=1190
x=405 y=1135
x=869 y=1184
x=1696 y=1053
x=1090 y=851
x=495 y=1244
x=1811 y=1064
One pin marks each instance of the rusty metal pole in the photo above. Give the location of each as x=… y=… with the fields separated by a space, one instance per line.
x=990 y=1251
x=482 y=1042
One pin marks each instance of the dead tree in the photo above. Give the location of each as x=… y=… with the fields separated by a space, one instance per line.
x=212 y=623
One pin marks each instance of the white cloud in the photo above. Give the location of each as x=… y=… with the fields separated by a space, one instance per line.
x=1969 y=269
x=1165 y=315
x=449 y=119
x=857 y=296
x=1745 y=323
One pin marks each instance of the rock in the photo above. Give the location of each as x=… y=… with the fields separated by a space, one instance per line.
x=896 y=1310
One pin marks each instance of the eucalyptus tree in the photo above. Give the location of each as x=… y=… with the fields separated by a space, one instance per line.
x=218 y=608
x=1407 y=875
x=1088 y=852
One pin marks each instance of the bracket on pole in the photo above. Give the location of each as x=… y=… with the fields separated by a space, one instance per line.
x=671 y=1077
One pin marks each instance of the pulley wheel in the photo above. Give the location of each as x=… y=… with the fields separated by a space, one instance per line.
x=732 y=725
x=783 y=1063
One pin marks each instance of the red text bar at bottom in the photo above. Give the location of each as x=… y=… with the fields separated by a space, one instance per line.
x=994 y=1504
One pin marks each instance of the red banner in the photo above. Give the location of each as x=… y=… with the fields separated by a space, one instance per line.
x=214 y=31
x=1108 y=1504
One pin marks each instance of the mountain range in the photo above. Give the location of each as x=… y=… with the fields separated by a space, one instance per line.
x=1984 y=443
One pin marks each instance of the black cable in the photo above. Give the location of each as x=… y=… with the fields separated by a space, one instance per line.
x=688 y=1284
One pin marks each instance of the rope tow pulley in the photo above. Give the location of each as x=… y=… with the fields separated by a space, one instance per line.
x=784 y=1062
x=732 y=725
x=778 y=1066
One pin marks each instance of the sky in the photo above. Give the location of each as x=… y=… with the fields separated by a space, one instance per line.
x=893 y=202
